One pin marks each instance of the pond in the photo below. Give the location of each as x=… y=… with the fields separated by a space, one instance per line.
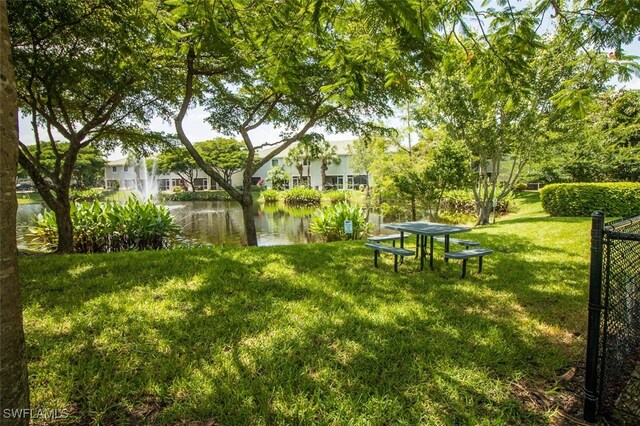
x=220 y=222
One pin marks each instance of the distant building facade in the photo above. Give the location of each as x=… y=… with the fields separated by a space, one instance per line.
x=118 y=174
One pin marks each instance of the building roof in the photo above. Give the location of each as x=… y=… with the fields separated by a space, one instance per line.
x=119 y=162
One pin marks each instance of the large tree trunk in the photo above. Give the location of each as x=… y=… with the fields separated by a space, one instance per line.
x=14 y=385
x=300 y=172
x=63 y=221
x=247 y=214
x=484 y=213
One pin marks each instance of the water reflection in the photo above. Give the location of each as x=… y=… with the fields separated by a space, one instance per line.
x=220 y=222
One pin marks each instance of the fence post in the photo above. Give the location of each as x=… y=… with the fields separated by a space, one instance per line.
x=593 y=333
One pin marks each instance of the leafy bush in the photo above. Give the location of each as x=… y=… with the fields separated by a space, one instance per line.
x=270 y=196
x=302 y=196
x=582 y=199
x=107 y=227
x=336 y=197
x=278 y=177
x=329 y=222
x=519 y=187
x=87 y=194
x=462 y=202
x=196 y=196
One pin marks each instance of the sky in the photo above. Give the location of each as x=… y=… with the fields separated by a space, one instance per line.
x=197 y=128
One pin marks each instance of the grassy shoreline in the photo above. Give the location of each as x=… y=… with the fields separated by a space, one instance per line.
x=309 y=333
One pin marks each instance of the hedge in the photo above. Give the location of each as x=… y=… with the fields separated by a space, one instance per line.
x=614 y=199
x=302 y=196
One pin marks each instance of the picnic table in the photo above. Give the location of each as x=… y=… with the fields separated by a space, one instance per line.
x=424 y=230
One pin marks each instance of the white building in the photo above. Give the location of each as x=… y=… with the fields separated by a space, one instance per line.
x=338 y=176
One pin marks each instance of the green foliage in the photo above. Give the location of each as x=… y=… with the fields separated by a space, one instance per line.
x=302 y=196
x=88 y=170
x=278 y=177
x=329 y=222
x=336 y=197
x=178 y=161
x=582 y=199
x=88 y=194
x=110 y=226
x=270 y=196
x=463 y=202
x=225 y=155
x=196 y=196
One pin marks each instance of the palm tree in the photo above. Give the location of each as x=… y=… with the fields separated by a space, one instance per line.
x=327 y=154
x=295 y=156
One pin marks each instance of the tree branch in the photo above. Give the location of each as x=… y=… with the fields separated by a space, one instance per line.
x=188 y=94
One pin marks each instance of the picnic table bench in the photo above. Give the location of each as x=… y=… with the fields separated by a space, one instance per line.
x=468 y=254
x=396 y=251
x=381 y=238
x=465 y=243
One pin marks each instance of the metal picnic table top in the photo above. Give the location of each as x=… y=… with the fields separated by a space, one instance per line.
x=426 y=228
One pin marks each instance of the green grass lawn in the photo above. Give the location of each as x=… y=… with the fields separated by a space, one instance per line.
x=29 y=198
x=310 y=334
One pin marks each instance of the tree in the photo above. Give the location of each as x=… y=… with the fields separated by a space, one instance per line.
x=507 y=114
x=225 y=155
x=178 y=160
x=303 y=153
x=327 y=155
x=88 y=170
x=295 y=157
x=14 y=384
x=84 y=72
x=448 y=169
x=249 y=66
x=278 y=177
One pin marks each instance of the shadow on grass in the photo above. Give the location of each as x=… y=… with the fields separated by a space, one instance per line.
x=296 y=334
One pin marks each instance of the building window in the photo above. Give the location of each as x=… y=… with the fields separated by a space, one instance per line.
x=163 y=184
x=130 y=184
x=274 y=162
x=200 y=184
x=114 y=169
x=126 y=168
x=334 y=182
x=354 y=182
x=306 y=161
x=298 y=182
x=113 y=184
x=179 y=182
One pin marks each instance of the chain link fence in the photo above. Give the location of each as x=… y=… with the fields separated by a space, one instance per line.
x=613 y=342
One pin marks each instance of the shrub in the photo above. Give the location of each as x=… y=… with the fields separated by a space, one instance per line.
x=270 y=196
x=519 y=187
x=582 y=199
x=302 y=196
x=336 y=197
x=329 y=222
x=462 y=202
x=106 y=227
x=278 y=177
x=196 y=196
x=87 y=194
